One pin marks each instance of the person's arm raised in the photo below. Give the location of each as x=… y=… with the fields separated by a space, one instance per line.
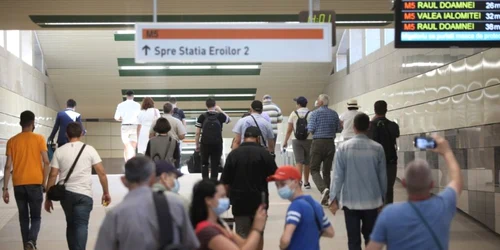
x=454 y=173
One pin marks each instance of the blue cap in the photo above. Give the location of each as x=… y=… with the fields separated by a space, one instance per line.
x=163 y=166
x=301 y=100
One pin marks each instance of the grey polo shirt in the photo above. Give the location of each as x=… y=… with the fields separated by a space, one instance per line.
x=133 y=224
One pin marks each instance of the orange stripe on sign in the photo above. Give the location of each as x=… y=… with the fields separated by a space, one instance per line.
x=232 y=33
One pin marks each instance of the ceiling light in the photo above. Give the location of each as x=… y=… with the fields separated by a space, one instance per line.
x=88 y=23
x=237 y=67
x=126 y=32
x=234 y=95
x=143 y=67
x=188 y=96
x=191 y=67
x=152 y=96
x=236 y=111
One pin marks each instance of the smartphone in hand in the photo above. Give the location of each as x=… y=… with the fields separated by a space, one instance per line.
x=422 y=142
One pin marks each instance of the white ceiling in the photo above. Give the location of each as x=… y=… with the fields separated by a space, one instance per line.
x=82 y=65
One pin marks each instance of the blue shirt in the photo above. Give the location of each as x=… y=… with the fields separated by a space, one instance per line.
x=360 y=180
x=305 y=213
x=64 y=118
x=400 y=228
x=324 y=123
x=265 y=127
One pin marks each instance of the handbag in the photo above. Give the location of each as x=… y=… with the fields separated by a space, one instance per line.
x=58 y=191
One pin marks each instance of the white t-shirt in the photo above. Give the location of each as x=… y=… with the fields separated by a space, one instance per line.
x=348 y=119
x=128 y=112
x=80 y=180
x=293 y=119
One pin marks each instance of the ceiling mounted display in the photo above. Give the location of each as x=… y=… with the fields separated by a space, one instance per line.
x=445 y=24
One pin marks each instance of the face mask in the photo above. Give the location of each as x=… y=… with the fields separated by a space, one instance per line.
x=285 y=192
x=222 y=207
x=176 y=187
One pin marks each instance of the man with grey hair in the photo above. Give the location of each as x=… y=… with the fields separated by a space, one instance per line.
x=324 y=125
x=424 y=221
x=134 y=223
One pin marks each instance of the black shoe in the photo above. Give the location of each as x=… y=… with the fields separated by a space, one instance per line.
x=307 y=186
x=300 y=183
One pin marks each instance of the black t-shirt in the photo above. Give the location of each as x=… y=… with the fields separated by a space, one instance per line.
x=246 y=171
x=393 y=129
x=220 y=116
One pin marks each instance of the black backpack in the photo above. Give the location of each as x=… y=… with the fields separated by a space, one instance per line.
x=301 y=132
x=211 y=129
x=194 y=163
x=383 y=136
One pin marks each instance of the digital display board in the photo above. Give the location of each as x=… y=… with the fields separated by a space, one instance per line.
x=443 y=24
x=321 y=16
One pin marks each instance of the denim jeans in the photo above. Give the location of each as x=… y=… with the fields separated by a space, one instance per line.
x=359 y=222
x=29 y=199
x=77 y=209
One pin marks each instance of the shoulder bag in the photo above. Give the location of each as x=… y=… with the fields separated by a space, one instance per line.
x=433 y=234
x=261 y=135
x=166 y=223
x=58 y=191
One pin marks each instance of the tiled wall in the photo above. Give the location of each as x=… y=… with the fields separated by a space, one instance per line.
x=460 y=100
x=477 y=150
x=22 y=87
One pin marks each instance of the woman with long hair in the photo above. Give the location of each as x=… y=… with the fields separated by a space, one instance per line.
x=209 y=202
x=146 y=118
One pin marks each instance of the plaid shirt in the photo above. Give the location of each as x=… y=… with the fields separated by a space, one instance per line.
x=324 y=123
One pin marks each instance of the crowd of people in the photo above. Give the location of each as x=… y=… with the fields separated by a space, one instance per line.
x=154 y=216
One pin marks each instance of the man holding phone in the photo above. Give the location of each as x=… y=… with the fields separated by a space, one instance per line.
x=427 y=218
x=245 y=175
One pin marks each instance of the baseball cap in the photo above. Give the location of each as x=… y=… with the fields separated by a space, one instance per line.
x=301 y=100
x=257 y=105
x=163 y=166
x=285 y=173
x=252 y=132
x=267 y=97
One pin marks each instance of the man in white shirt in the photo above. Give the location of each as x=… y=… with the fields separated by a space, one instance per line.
x=126 y=113
x=78 y=201
x=347 y=119
x=302 y=139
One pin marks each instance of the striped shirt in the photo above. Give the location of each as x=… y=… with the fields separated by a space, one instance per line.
x=324 y=123
x=364 y=186
x=309 y=218
x=274 y=113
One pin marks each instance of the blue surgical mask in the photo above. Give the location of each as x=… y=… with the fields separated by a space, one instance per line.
x=285 y=192
x=176 y=187
x=222 y=207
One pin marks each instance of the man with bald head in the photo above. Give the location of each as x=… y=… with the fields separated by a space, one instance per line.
x=423 y=222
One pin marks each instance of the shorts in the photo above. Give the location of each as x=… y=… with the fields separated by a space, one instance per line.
x=302 y=151
x=243 y=225
x=129 y=133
